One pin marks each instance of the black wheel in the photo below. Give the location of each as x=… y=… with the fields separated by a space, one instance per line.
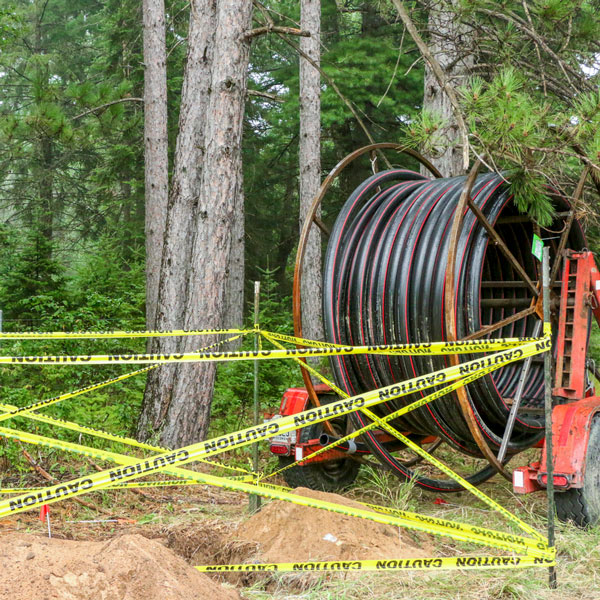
x=582 y=505
x=330 y=476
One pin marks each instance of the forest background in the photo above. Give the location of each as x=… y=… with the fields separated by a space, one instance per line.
x=72 y=200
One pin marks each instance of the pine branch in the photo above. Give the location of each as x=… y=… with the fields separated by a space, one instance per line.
x=97 y=108
x=272 y=97
x=518 y=23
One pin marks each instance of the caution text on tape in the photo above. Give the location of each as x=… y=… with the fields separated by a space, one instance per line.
x=400 y=564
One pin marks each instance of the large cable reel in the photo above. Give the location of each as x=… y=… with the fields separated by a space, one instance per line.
x=418 y=259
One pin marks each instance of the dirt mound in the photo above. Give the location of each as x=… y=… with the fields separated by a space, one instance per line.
x=288 y=532
x=130 y=567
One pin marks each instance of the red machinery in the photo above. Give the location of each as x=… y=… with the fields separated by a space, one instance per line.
x=333 y=469
x=575 y=420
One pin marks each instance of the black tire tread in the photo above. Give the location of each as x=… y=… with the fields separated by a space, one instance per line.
x=570 y=506
x=312 y=476
x=582 y=505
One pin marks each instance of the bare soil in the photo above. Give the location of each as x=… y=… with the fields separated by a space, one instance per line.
x=129 y=567
x=154 y=561
x=286 y=532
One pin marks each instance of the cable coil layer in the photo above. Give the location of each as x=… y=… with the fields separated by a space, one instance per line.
x=384 y=279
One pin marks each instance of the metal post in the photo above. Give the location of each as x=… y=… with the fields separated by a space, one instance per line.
x=254 y=501
x=1 y=319
x=548 y=412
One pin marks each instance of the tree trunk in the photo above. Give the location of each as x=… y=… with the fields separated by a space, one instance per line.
x=234 y=286
x=155 y=147
x=447 y=41
x=193 y=284
x=310 y=166
x=183 y=201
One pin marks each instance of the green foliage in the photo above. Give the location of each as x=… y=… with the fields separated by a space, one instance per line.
x=386 y=488
x=423 y=133
x=32 y=283
x=502 y=115
x=233 y=399
x=96 y=297
x=531 y=104
x=369 y=59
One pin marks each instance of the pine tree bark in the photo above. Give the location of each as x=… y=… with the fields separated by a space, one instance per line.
x=220 y=194
x=193 y=280
x=181 y=211
x=448 y=39
x=234 y=290
x=310 y=165
x=155 y=147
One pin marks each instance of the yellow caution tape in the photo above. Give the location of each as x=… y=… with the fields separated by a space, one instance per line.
x=434 y=348
x=80 y=335
x=24 y=410
x=70 y=425
x=132 y=485
x=394 y=415
x=168 y=461
x=417 y=517
x=466 y=346
x=346 y=406
x=82 y=485
x=383 y=423
x=17 y=412
x=447 y=471
x=482 y=345
x=299 y=341
x=394 y=564
x=39 y=440
x=404 y=514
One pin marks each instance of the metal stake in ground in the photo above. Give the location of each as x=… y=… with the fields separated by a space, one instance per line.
x=254 y=501
x=548 y=409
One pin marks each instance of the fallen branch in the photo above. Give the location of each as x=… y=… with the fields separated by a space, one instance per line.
x=41 y=471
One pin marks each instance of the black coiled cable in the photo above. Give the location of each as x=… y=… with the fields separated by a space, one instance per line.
x=384 y=284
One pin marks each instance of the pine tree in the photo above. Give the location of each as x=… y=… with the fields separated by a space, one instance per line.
x=531 y=103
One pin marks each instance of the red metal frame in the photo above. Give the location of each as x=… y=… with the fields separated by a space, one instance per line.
x=296 y=400
x=571 y=420
x=578 y=296
x=570 y=434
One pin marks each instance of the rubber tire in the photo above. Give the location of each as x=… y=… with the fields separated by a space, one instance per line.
x=582 y=505
x=332 y=476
